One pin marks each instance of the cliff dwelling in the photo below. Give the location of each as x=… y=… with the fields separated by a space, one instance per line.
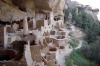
x=32 y=33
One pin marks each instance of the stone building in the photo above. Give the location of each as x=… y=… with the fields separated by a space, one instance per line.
x=33 y=33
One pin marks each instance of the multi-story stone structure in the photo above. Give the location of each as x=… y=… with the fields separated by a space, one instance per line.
x=34 y=39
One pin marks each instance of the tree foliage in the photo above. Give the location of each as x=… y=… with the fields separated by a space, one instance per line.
x=66 y=11
x=91 y=28
x=86 y=22
x=92 y=51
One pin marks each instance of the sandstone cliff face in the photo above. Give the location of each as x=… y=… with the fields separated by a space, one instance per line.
x=86 y=8
x=15 y=10
x=9 y=12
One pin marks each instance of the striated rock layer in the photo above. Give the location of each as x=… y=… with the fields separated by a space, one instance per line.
x=15 y=10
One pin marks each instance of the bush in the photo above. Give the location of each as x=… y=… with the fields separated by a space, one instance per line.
x=77 y=58
x=74 y=42
x=66 y=14
x=92 y=51
x=68 y=61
